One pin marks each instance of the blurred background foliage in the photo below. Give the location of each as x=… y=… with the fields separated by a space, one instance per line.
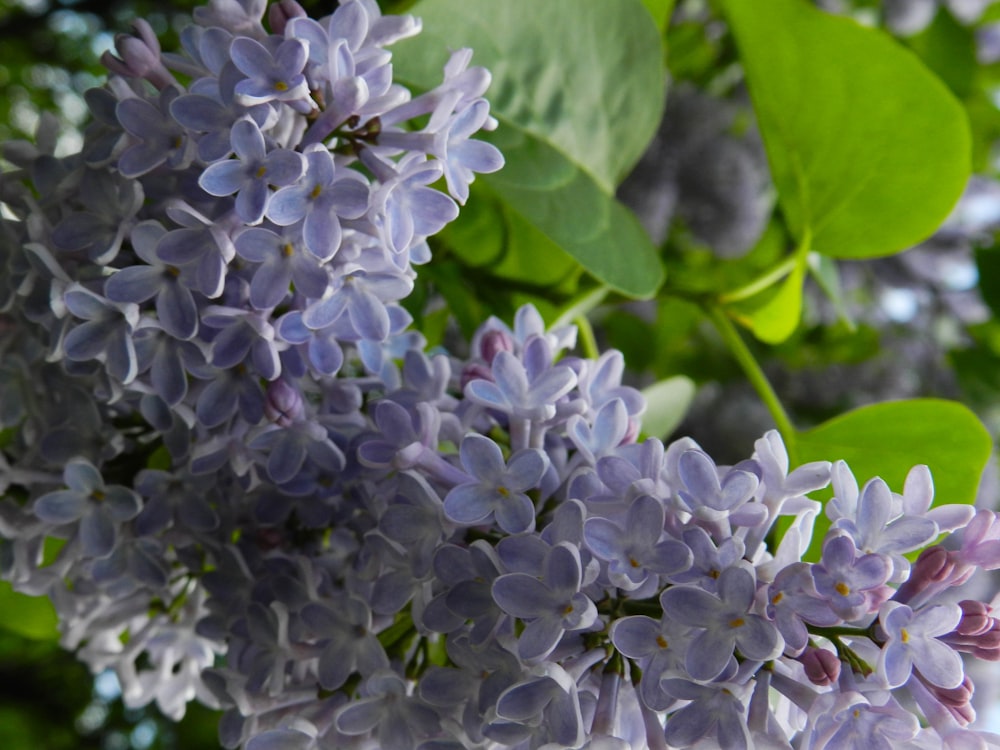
x=921 y=323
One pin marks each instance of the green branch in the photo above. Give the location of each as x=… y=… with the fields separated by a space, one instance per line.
x=756 y=376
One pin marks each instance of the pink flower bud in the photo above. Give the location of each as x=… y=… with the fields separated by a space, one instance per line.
x=494 y=342
x=822 y=667
x=975 y=618
x=283 y=11
x=474 y=371
x=954 y=697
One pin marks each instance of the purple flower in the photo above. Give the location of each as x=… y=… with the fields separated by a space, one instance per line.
x=725 y=622
x=347 y=641
x=362 y=295
x=713 y=501
x=461 y=156
x=635 y=552
x=270 y=77
x=202 y=243
x=403 y=208
x=98 y=507
x=283 y=259
x=321 y=198
x=106 y=333
x=176 y=309
x=212 y=110
x=500 y=487
x=252 y=173
x=714 y=709
x=877 y=525
x=325 y=354
x=659 y=645
x=848 y=582
x=160 y=139
x=912 y=642
x=513 y=393
x=551 y=606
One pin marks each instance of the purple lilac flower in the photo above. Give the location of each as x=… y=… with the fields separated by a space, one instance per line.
x=360 y=297
x=283 y=259
x=252 y=173
x=513 y=393
x=98 y=507
x=850 y=584
x=499 y=489
x=548 y=703
x=878 y=526
x=106 y=333
x=462 y=156
x=160 y=139
x=551 y=606
x=349 y=643
x=912 y=642
x=109 y=204
x=322 y=348
x=212 y=112
x=660 y=646
x=635 y=552
x=176 y=309
x=271 y=75
x=712 y=500
x=713 y=710
x=725 y=621
x=323 y=197
x=403 y=207
x=396 y=718
x=201 y=243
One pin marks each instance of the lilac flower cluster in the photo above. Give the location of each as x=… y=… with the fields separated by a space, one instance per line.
x=242 y=480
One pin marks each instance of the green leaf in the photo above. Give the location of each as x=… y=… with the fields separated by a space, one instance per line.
x=666 y=404
x=777 y=318
x=565 y=205
x=867 y=148
x=29 y=616
x=578 y=89
x=949 y=49
x=660 y=10
x=888 y=439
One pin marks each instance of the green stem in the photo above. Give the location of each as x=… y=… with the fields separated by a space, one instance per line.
x=756 y=377
x=588 y=341
x=762 y=282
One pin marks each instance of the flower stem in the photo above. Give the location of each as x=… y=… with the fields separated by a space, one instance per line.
x=755 y=375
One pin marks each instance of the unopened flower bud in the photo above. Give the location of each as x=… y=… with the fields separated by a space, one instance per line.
x=822 y=667
x=475 y=371
x=955 y=697
x=494 y=342
x=283 y=11
x=139 y=56
x=934 y=565
x=975 y=618
x=284 y=403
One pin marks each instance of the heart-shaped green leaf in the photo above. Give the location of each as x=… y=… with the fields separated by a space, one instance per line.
x=867 y=147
